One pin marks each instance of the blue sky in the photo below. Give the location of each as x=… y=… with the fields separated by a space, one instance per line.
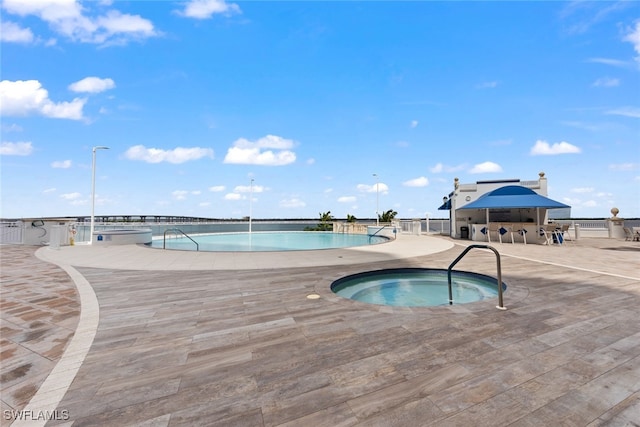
x=195 y=99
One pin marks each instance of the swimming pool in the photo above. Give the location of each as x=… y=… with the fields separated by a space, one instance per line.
x=268 y=241
x=415 y=287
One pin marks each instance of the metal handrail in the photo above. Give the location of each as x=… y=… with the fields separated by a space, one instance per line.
x=500 y=305
x=379 y=230
x=164 y=241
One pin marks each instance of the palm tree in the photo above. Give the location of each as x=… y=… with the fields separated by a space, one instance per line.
x=326 y=222
x=387 y=216
x=351 y=218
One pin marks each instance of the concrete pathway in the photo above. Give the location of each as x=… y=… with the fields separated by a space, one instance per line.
x=204 y=339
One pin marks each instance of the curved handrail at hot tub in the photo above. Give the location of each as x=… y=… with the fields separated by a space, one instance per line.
x=499 y=268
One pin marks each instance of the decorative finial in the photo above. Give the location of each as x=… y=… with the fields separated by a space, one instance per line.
x=456 y=183
x=541 y=174
x=615 y=212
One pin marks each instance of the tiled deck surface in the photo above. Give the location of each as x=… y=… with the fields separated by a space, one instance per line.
x=220 y=339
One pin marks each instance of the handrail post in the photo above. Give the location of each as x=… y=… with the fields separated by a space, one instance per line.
x=500 y=305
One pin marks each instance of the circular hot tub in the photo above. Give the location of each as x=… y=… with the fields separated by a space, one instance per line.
x=122 y=236
x=416 y=287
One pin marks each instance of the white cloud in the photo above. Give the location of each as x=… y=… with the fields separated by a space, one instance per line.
x=609 y=61
x=71 y=196
x=179 y=194
x=593 y=127
x=417 y=182
x=604 y=195
x=49 y=190
x=439 y=168
x=292 y=203
x=633 y=37
x=63 y=164
x=625 y=111
x=365 y=188
x=16 y=148
x=623 y=166
x=487 y=85
x=10 y=127
x=92 y=85
x=21 y=98
x=71 y=19
x=486 y=167
x=11 y=32
x=579 y=16
x=606 y=82
x=582 y=190
x=347 y=199
x=543 y=148
x=176 y=156
x=414 y=124
x=233 y=196
x=217 y=188
x=117 y=27
x=261 y=152
x=249 y=189
x=311 y=161
x=205 y=9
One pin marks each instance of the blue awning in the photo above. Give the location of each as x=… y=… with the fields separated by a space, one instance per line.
x=513 y=197
x=446 y=206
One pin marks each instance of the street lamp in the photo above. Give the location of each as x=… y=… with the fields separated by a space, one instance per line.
x=93 y=191
x=377 y=199
x=250 y=203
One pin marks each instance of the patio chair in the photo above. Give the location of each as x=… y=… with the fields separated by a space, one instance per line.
x=631 y=234
x=523 y=232
x=494 y=227
x=548 y=232
x=566 y=235
x=507 y=229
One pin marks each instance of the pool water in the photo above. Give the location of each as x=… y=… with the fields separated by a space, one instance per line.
x=416 y=287
x=269 y=241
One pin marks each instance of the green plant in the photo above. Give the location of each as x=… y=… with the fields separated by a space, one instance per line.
x=326 y=223
x=387 y=216
x=351 y=218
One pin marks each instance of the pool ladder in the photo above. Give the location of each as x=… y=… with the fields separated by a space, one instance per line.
x=177 y=231
x=500 y=305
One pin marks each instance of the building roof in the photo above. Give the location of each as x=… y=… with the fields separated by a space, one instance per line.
x=513 y=196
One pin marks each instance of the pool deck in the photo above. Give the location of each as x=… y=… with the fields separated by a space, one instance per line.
x=128 y=335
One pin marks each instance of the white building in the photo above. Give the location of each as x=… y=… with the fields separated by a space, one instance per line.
x=512 y=204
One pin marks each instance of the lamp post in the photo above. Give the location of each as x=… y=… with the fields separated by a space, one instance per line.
x=377 y=199
x=93 y=191
x=250 y=203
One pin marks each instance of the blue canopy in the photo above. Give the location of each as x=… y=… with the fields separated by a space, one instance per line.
x=446 y=206
x=513 y=197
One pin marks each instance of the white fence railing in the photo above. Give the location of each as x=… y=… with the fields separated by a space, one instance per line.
x=11 y=232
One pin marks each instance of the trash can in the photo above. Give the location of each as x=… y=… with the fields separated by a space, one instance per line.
x=464 y=233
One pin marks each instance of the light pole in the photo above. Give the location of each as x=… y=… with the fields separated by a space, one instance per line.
x=377 y=199
x=93 y=191
x=250 y=203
